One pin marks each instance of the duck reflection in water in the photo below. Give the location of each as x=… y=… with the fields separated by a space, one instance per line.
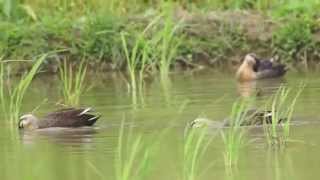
x=79 y=139
x=260 y=88
x=258 y=76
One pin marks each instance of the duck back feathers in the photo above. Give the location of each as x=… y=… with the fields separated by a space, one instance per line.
x=70 y=117
x=275 y=71
x=262 y=65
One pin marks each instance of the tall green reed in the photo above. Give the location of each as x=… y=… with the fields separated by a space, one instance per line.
x=133 y=58
x=234 y=136
x=132 y=156
x=72 y=82
x=138 y=58
x=282 y=106
x=136 y=61
x=12 y=98
x=195 y=146
x=166 y=40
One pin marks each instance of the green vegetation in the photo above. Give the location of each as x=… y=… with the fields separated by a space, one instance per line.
x=72 y=83
x=295 y=40
x=167 y=42
x=233 y=136
x=12 y=96
x=136 y=60
x=195 y=146
x=133 y=60
x=132 y=158
x=147 y=37
x=282 y=106
x=189 y=31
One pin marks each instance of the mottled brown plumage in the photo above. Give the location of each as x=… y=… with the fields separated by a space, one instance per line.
x=70 y=117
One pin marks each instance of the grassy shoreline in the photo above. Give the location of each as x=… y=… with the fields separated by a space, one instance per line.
x=210 y=33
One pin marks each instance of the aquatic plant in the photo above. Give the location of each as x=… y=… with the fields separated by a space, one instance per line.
x=72 y=82
x=136 y=61
x=195 y=145
x=282 y=106
x=132 y=58
x=166 y=41
x=132 y=156
x=234 y=136
x=12 y=97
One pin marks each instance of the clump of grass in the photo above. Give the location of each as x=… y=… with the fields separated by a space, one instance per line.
x=294 y=39
x=132 y=156
x=282 y=107
x=296 y=8
x=72 y=82
x=12 y=98
x=166 y=41
x=233 y=136
x=156 y=45
x=195 y=146
x=100 y=38
x=136 y=61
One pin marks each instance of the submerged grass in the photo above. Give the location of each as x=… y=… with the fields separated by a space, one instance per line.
x=282 y=107
x=12 y=98
x=72 y=82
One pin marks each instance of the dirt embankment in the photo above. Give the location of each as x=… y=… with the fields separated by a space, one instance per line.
x=234 y=34
x=210 y=39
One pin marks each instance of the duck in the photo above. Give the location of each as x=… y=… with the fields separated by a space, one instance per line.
x=253 y=68
x=253 y=117
x=67 y=117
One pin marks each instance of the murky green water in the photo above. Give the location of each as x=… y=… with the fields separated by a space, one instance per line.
x=160 y=113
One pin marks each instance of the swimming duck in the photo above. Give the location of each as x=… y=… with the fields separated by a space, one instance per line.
x=253 y=68
x=253 y=117
x=69 y=117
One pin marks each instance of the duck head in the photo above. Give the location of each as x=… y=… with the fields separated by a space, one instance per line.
x=28 y=122
x=250 y=60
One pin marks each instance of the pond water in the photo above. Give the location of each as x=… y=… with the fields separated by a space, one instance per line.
x=159 y=114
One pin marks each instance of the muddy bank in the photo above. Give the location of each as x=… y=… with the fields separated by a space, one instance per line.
x=208 y=40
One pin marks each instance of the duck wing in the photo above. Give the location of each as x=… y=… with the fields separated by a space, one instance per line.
x=70 y=117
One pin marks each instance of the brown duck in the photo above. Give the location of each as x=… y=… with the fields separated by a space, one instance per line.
x=70 y=117
x=253 y=117
x=253 y=68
